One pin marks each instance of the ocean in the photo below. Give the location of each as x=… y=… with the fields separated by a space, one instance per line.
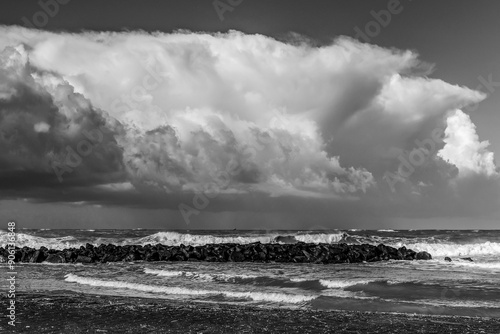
x=438 y=287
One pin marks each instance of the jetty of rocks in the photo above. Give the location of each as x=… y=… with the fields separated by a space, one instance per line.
x=255 y=252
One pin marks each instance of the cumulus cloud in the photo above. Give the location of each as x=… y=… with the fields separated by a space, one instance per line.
x=240 y=115
x=464 y=149
x=41 y=120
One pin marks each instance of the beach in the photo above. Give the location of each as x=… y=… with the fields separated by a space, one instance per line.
x=65 y=312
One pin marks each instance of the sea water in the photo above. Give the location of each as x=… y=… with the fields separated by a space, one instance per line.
x=436 y=286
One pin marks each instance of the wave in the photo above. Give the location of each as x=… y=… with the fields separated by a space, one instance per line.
x=256 y=296
x=165 y=238
x=176 y=239
x=304 y=283
x=489 y=266
x=326 y=238
x=452 y=249
x=23 y=239
x=199 y=276
x=340 y=284
x=431 y=244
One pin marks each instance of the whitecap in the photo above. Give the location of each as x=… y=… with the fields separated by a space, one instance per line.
x=253 y=295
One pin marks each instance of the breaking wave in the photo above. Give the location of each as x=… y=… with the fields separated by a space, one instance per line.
x=165 y=238
x=253 y=295
x=199 y=276
x=452 y=249
x=340 y=284
x=436 y=246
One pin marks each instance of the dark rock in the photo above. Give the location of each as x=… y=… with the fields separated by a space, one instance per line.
x=447 y=259
x=410 y=254
x=70 y=256
x=55 y=258
x=287 y=239
x=83 y=259
x=154 y=256
x=133 y=256
x=165 y=255
x=262 y=256
x=467 y=259
x=423 y=256
x=298 y=252
x=37 y=257
x=237 y=257
x=109 y=258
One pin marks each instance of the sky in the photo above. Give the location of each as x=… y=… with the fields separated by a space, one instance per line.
x=250 y=114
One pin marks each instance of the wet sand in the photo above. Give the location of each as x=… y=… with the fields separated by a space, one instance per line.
x=65 y=312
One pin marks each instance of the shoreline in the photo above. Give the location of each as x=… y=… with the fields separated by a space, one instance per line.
x=66 y=311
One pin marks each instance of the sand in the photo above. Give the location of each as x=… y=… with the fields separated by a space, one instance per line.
x=66 y=312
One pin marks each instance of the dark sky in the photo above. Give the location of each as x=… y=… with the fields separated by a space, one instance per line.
x=460 y=38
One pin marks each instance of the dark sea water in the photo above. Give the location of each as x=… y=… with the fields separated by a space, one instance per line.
x=459 y=287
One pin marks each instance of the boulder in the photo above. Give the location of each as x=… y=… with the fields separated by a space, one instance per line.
x=55 y=258
x=298 y=252
x=286 y=239
x=423 y=256
x=133 y=256
x=410 y=254
x=165 y=255
x=109 y=258
x=154 y=256
x=467 y=259
x=237 y=257
x=83 y=259
x=447 y=259
x=37 y=257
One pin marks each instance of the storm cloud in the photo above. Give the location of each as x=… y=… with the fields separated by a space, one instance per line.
x=250 y=123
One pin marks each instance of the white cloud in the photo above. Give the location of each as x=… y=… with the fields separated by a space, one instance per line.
x=464 y=149
x=191 y=109
x=41 y=127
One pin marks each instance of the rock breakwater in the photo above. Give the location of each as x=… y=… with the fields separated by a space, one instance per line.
x=256 y=252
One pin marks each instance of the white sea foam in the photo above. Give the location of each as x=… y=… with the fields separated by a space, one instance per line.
x=166 y=273
x=327 y=238
x=256 y=296
x=301 y=279
x=175 y=239
x=195 y=275
x=23 y=239
x=453 y=249
x=435 y=247
x=481 y=265
x=165 y=238
x=340 y=284
x=344 y=294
